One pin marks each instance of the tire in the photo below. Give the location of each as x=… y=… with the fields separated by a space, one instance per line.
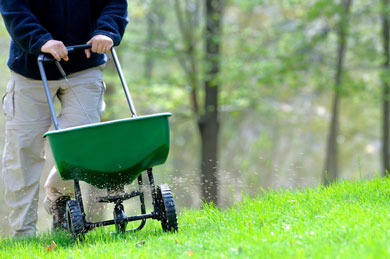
x=166 y=206
x=75 y=220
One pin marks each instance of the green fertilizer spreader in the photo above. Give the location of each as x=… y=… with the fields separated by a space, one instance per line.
x=110 y=155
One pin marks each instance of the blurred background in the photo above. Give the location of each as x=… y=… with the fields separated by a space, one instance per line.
x=264 y=94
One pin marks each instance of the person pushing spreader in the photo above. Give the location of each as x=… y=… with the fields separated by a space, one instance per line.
x=109 y=155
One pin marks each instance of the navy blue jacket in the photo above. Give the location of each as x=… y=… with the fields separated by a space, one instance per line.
x=31 y=23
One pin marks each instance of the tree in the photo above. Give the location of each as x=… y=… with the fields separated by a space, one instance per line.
x=331 y=160
x=209 y=122
x=207 y=118
x=385 y=87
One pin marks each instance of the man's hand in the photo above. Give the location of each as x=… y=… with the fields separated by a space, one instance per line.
x=56 y=48
x=100 y=44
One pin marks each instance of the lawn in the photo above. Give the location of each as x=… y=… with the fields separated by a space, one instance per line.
x=345 y=220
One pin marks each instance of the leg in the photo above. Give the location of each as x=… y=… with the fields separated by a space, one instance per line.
x=27 y=118
x=89 y=87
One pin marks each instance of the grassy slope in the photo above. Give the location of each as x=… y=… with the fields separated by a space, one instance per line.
x=344 y=220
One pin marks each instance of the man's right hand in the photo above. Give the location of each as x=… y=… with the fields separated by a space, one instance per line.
x=57 y=49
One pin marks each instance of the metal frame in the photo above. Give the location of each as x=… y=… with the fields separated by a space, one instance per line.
x=119 y=216
x=156 y=214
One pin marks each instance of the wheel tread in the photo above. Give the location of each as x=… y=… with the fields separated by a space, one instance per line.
x=169 y=208
x=76 y=226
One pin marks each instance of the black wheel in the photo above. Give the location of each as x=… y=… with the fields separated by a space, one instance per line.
x=166 y=206
x=75 y=219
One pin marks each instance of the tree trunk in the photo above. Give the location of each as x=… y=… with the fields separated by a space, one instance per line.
x=331 y=162
x=386 y=88
x=208 y=122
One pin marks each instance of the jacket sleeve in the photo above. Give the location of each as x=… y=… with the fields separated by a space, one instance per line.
x=23 y=27
x=112 y=20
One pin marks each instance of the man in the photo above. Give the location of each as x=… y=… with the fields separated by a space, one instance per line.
x=46 y=26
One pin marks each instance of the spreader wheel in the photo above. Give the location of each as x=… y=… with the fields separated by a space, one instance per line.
x=75 y=219
x=167 y=208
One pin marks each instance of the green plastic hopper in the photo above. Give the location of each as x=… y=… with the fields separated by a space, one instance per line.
x=111 y=153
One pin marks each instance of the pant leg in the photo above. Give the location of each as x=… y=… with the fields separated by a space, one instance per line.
x=27 y=118
x=89 y=87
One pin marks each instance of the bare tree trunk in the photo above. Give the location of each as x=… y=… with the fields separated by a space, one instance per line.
x=187 y=18
x=331 y=162
x=208 y=123
x=330 y=173
x=386 y=88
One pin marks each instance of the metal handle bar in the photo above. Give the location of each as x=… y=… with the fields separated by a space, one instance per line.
x=123 y=81
x=48 y=58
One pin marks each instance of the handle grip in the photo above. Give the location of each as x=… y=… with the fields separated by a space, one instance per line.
x=78 y=47
x=48 y=58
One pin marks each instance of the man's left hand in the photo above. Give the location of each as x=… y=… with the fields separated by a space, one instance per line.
x=100 y=44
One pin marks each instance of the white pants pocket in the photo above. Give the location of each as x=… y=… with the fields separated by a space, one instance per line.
x=8 y=101
x=102 y=104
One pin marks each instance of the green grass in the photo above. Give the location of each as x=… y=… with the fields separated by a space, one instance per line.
x=346 y=220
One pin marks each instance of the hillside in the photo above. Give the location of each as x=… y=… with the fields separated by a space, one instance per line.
x=348 y=219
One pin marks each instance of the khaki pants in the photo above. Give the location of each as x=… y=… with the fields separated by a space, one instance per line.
x=27 y=119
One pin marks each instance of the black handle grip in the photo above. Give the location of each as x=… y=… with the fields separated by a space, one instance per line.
x=48 y=58
x=78 y=47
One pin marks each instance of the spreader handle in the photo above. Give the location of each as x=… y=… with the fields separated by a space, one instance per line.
x=48 y=58
x=48 y=94
x=123 y=81
x=78 y=47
